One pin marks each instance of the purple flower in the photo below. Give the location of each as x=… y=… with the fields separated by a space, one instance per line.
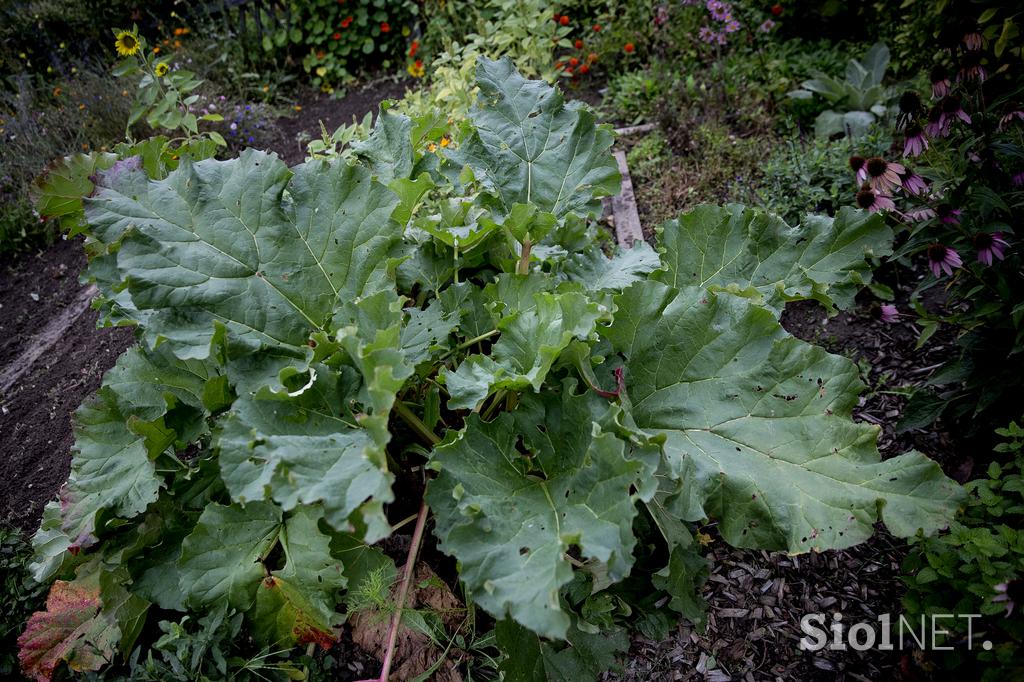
x=1017 y=180
x=859 y=165
x=888 y=313
x=233 y=126
x=1010 y=118
x=947 y=214
x=915 y=142
x=919 y=214
x=913 y=183
x=661 y=16
x=990 y=246
x=1010 y=592
x=766 y=26
x=971 y=68
x=732 y=26
x=973 y=39
x=706 y=35
x=952 y=109
x=940 y=82
x=874 y=201
x=937 y=125
x=941 y=259
x=882 y=174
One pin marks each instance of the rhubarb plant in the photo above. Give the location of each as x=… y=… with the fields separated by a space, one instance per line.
x=323 y=348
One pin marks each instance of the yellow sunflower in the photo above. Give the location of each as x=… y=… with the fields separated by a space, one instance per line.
x=127 y=43
x=161 y=69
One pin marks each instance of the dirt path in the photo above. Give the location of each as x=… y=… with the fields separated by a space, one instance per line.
x=51 y=357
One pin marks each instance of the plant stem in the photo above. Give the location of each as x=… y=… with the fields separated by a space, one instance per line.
x=415 y=423
x=403 y=590
x=474 y=340
x=524 y=259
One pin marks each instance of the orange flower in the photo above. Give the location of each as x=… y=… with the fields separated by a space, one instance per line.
x=629 y=48
x=573 y=61
x=385 y=27
x=579 y=44
x=564 y=20
x=413 y=48
x=592 y=57
x=584 y=69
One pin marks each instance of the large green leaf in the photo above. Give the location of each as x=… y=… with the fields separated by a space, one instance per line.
x=302 y=450
x=222 y=558
x=531 y=340
x=265 y=252
x=296 y=604
x=572 y=488
x=530 y=147
x=110 y=470
x=758 y=426
x=597 y=272
x=756 y=254
x=60 y=191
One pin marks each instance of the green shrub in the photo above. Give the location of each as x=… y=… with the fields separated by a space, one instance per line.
x=978 y=568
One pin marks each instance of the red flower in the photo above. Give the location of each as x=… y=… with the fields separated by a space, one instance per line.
x=558 y=65
x=385 y=27
x=336 y=36
x=558 y=17
x=597 y=27
x=413 y=48
x=345 y=22
x=573 y=61
x=579 y=44
x=776 y=9
x=563 y=20
x=628 y=47
x=584 y=69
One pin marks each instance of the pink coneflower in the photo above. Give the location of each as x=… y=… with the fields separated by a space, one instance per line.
x=882 y=174
x=918 y=214
x=915 y=142
x=912 y=183
x=1011 y=593
x=947 y=214
x=941 y=259
x=766 y=26
x=937 y=125
x=859 y=165
x=940 y=82
x=1010 y=118
x=873 y=201
x=910 y=107
x=990 y=246
x=952 y=109
x=971 y=68
x=973 y=39
x=886 y=313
